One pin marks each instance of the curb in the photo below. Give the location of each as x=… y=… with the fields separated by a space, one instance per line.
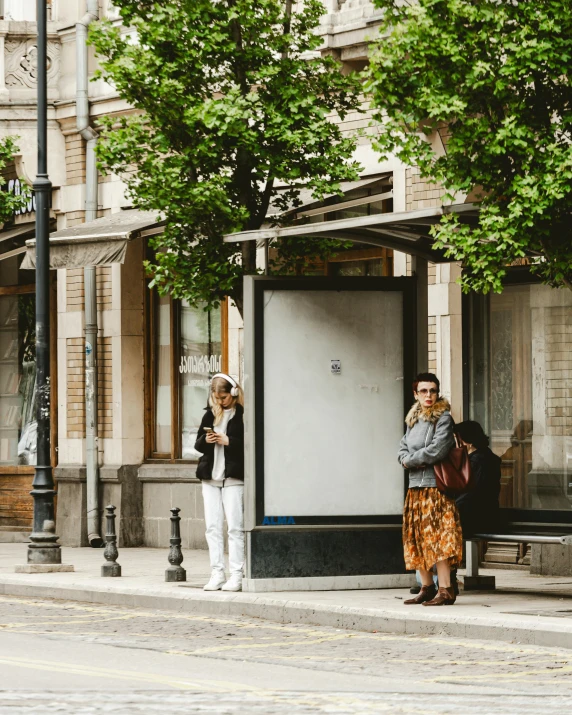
x=511 y=628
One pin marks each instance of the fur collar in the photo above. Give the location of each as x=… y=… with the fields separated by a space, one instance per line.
x=432 y=414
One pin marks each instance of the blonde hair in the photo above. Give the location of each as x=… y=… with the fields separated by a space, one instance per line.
x=218 y=385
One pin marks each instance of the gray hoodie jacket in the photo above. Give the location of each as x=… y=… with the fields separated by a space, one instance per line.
x=428 y=439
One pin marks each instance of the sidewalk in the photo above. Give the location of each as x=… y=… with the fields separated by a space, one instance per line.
x=524 y=609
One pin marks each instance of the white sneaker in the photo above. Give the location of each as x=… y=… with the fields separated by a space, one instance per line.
x=216 y=581
x=234 y=583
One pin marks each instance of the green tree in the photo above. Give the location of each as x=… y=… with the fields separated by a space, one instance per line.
x=10 y=202
x=492 y=77
x=231 y=97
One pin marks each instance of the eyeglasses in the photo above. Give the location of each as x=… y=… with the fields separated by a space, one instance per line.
x=432 y=391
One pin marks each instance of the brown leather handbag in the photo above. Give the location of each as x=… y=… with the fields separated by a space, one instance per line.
x=453 y=474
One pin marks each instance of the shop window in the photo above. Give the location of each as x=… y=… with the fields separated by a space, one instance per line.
x=372 y=267
x=361 y=260
x=17 y=365
x=22 y=10
x=17 y=379
x=520 y=389
x=187 y=346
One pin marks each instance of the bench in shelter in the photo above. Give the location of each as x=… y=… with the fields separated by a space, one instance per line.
x=473 y=581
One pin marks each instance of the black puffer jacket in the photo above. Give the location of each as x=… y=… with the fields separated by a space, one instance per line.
x=479 y=508
x=233 y=452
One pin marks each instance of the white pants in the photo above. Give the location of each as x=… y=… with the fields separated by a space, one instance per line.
x=221 y=502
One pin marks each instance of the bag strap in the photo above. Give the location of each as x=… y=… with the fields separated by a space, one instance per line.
x=455 y=436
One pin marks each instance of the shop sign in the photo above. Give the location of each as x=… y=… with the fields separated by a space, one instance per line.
x=278 y=521
x=200 y=365
x=15 y=187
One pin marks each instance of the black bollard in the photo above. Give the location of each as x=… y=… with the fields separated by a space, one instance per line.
x=175 y=572
x=112 y=568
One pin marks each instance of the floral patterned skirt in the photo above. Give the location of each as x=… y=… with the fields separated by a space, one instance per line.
x=431 y=529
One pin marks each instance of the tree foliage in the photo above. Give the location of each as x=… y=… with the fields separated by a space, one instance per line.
x=232 y=97
x=10 y=202
x=492 y=77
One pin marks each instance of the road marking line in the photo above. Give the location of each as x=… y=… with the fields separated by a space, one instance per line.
x=7 y=626
x=559 y=670
x=254 y=646
x=98 y=672
x=166 y=615
x=97 y=610
x=459 y=661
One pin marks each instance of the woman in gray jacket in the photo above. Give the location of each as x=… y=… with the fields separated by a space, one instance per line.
x=432 y=533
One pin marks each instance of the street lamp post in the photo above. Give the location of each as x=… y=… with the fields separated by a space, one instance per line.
x=43 y=548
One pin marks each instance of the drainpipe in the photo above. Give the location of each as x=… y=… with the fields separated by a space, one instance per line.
x=82 y=109
x=90 y=285
x=91 y=441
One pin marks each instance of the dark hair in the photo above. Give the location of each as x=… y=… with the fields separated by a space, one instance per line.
x=471 y=432
x=426 y=377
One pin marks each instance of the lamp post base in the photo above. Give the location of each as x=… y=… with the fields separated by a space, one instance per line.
x=44 y=548
x=42 y=568
x=44 y=553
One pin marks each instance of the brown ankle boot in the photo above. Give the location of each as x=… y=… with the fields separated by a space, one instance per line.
x=426 y=594
x=445 y=597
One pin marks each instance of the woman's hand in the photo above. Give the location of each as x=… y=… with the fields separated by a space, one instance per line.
x=211 y=437
x=221 y=439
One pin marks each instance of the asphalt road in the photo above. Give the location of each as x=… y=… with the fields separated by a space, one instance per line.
x=62 y=657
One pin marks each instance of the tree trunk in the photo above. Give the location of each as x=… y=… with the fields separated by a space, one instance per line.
x=249 y=257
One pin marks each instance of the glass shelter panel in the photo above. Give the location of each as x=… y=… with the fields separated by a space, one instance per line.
x=520 y=376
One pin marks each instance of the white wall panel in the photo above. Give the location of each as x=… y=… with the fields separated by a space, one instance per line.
x=331 y=440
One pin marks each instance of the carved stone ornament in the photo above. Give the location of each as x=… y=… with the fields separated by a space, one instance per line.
x=21 y=62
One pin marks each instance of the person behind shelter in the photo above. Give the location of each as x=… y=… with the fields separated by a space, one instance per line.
x=220 y=439
x=431 y=524
x=479 y=508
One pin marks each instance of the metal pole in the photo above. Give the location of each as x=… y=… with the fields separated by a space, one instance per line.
x=44 y=548
x=472 y=558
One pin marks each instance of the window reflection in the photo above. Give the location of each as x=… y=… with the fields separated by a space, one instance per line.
x=18 y=427
x=163 y=375
x=521 y=390
x=200 y=357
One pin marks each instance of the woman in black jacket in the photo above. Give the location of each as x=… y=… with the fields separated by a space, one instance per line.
x=220 y=439
x=479 y=508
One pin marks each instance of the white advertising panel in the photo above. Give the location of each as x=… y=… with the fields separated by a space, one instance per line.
x=333 y=402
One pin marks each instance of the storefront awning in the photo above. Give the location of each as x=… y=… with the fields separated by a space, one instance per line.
x=406 y=231
x=12 y=240
x=97 y=243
